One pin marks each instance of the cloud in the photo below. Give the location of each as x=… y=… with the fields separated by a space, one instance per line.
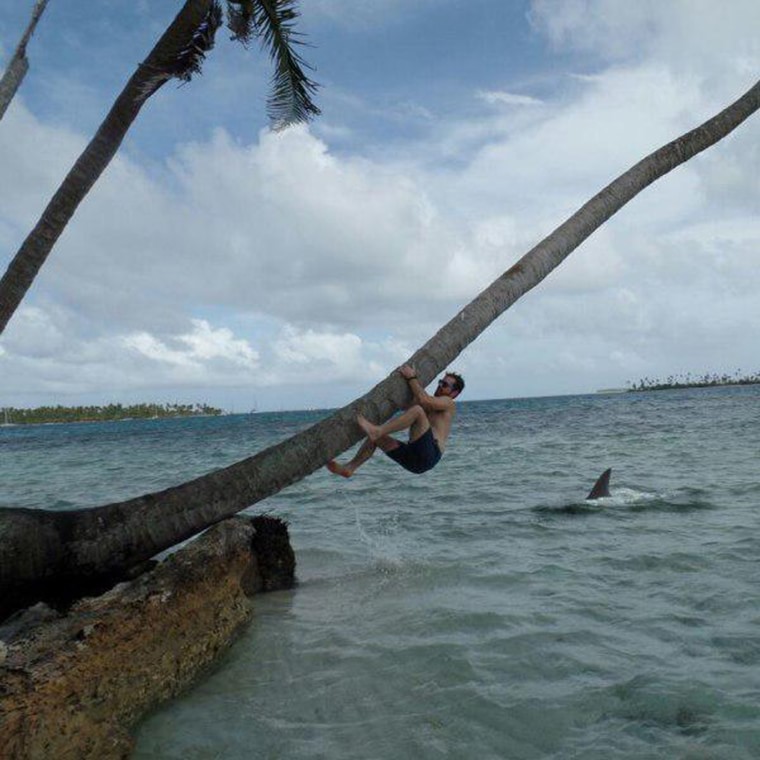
x=37 y=358
x=494 y=97
x=202 y=344
x=696 y=36
x=309 y=346
x=306 y=355
x=281 y=227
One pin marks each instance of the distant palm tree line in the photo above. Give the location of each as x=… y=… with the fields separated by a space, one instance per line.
x=694 y=381
x=110 y=412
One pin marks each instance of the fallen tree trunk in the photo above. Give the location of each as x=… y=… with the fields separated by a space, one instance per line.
x=73 y=685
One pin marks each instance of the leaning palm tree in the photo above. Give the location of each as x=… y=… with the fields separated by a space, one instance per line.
x=177 y=55
x=45 y=553
x=19 y=63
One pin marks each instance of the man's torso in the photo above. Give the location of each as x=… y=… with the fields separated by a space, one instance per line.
x=440 y=422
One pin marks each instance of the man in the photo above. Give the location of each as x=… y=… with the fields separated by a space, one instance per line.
x=428 y=421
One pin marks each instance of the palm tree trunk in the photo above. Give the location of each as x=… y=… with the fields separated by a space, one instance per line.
x=43 y=548
x=19 y=65
x=157 y=68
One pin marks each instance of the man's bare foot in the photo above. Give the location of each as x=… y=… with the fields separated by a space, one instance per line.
x=372 y=431
x=339 y=469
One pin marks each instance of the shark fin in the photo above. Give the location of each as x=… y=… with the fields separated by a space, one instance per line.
x=602 y=486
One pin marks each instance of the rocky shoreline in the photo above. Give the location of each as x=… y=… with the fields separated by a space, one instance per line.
x=73 y=684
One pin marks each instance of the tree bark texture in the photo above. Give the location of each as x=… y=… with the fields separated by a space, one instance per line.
x=11 y=81
x=41 y=549
x=149 y=77
x=73 y=685
x=19 y=64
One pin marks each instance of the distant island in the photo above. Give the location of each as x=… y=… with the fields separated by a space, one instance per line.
x=110 y=412
x=689 y=381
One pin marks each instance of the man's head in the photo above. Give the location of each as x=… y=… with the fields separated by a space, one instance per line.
x=450 y=385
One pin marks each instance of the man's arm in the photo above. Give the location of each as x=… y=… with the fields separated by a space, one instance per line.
x=421 y=396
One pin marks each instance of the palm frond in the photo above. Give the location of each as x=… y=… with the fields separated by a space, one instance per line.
x=272 y=21
x=240 y=20
x=189 y=60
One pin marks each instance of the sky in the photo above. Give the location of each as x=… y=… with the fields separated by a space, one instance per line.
x=217 y=261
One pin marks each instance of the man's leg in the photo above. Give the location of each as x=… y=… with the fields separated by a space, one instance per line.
x=366 y=450
x=413 y=418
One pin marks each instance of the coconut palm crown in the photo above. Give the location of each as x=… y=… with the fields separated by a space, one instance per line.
x=272 y=22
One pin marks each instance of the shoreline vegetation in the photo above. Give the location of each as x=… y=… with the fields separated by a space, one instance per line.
x=690 y=381
x=47 y=415
x=108 y=413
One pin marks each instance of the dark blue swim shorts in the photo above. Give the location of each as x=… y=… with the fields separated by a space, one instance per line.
x=418 y=456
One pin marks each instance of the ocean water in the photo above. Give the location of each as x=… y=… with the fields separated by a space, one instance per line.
x=484 y=610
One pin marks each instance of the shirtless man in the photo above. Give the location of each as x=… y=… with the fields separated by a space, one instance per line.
x=428 y=420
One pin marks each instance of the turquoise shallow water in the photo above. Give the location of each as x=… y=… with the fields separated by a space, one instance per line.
x=483 y=610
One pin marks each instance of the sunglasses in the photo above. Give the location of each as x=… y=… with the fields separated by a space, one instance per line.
x=446 y=384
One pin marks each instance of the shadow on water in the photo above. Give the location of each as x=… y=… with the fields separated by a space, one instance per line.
x=574 y=509
x=627 y=501
x=686 y=708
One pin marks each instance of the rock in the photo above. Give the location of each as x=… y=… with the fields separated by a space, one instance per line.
x=73 y=685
